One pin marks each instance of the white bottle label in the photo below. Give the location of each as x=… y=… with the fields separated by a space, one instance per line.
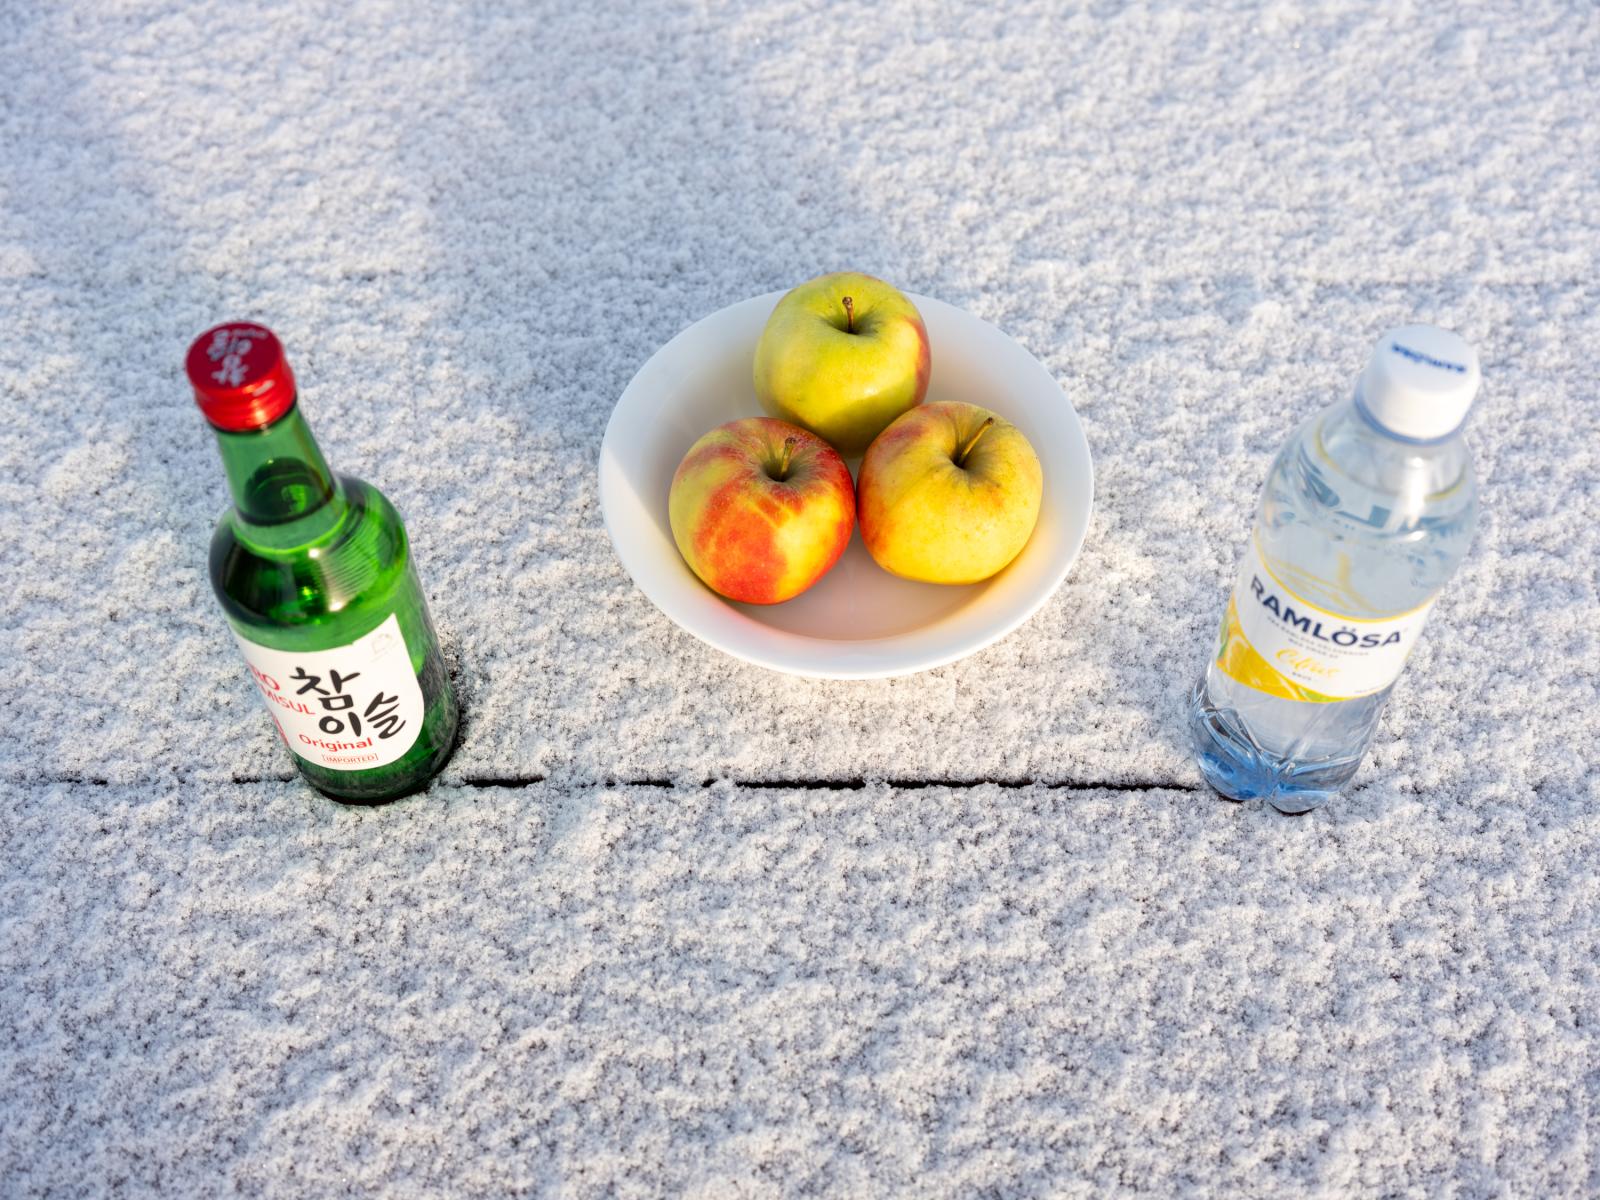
x=352 y=708
x=1277 y=641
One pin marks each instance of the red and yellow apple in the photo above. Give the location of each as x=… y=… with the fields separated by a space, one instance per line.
x=949 y=493
x=761 y=509
x=843 y=355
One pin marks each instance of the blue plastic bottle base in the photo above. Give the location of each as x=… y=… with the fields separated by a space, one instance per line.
x=1238 y=769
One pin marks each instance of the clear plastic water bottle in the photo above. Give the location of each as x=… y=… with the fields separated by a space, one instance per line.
x=1366 y=514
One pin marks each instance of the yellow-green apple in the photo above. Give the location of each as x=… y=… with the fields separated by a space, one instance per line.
x=843 y=355
x=949 y=493
x=761 y=509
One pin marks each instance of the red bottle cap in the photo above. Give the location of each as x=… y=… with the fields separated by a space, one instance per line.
x=242 y=381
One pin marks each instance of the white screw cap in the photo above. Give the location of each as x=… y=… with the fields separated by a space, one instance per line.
x=1420 y=382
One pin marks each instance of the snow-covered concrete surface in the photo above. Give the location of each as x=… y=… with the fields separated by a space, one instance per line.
x=746 y=992
x=470 y=223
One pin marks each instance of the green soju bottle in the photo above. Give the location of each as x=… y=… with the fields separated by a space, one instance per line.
x=315 y=575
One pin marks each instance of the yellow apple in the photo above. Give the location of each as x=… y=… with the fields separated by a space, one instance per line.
x=761 y=509
x=842 y=356
x=949 y=493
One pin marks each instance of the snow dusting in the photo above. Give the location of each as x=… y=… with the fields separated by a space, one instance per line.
x=673 y=925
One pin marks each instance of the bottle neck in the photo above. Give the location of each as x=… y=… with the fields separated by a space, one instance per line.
x=1410 y=477
x=284 y=495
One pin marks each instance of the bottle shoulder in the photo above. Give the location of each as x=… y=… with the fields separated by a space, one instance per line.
x=345 y=577
x=1379 y=522
x=1338 y=466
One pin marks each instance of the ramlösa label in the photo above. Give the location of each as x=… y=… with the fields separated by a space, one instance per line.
x=1281 y=643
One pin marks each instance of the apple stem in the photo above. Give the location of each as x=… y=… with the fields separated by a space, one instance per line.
x=849 y=315
x=783 y=463
x=961 y=459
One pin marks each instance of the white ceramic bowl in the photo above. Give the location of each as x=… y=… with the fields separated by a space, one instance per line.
x=858 y=622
